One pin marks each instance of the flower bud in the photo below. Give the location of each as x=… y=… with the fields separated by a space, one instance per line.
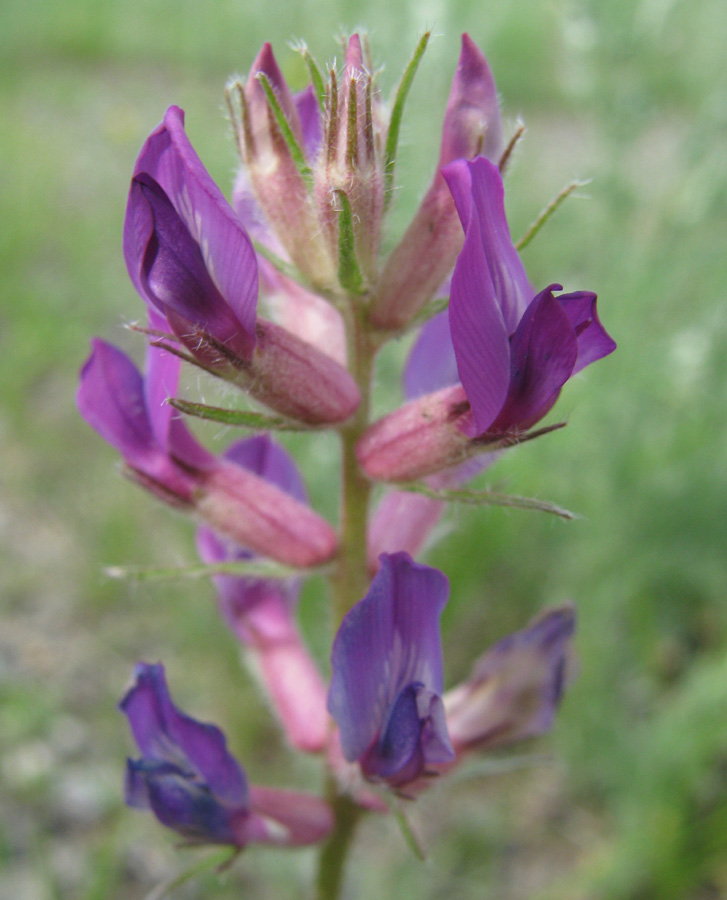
x=515 y=688
x=256 y=514
x=293 y=377
x=426 y=253
x=274 y=152
x=419 y=438
x=349 y=164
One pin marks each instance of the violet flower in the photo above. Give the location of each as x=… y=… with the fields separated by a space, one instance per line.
x=192 y=784
x=129 y=411
x=515 y=688
x=386 y=684
x=513 y=354
x=261 y=612
x=190 y=258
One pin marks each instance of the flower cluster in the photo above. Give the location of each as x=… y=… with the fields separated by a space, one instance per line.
x=286 y=295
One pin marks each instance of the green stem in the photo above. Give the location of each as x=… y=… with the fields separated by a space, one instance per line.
x=351 y=578
x=335 y=851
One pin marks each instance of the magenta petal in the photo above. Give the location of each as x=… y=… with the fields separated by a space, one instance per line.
x=431 y=364
x=593 y=340
x=266 y=64
x=472 y=123
x=479 y=194
x=111 y=399
x=389 y=640
x=165 y=734
x=544 y=351
x=161 y=379
x=478 y=330
x=169 y=159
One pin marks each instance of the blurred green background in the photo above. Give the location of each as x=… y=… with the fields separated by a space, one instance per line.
x=632 y=800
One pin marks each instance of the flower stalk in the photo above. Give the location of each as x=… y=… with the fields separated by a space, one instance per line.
x=300 y=242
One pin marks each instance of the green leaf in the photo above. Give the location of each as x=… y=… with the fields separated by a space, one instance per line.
x=407 y=832
x=291 y=143
x=392 y=137
x=547 y=213
x=349 y=273
x=315 y=73
x=240 y=418
x=255 y=568
x=217 y=861
x=488 y=498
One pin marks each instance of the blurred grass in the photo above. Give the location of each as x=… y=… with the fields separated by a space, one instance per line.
x=632 y=95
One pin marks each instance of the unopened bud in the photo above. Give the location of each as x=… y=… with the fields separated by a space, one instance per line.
x=293 y=377
x=272 y=142
x=428 y=250
x=256 y=514
x=350 y=163
x=419 y=438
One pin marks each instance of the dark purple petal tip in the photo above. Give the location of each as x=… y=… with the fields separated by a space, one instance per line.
x=166 y=735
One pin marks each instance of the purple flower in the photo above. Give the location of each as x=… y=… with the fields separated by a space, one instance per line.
x=514 y=351
x=194 y=786
x=386 y=684
x=191 y=259
x=186 y=251
x=130 y=412
x=261 y=612
x=515 y=688
x=506 y=354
